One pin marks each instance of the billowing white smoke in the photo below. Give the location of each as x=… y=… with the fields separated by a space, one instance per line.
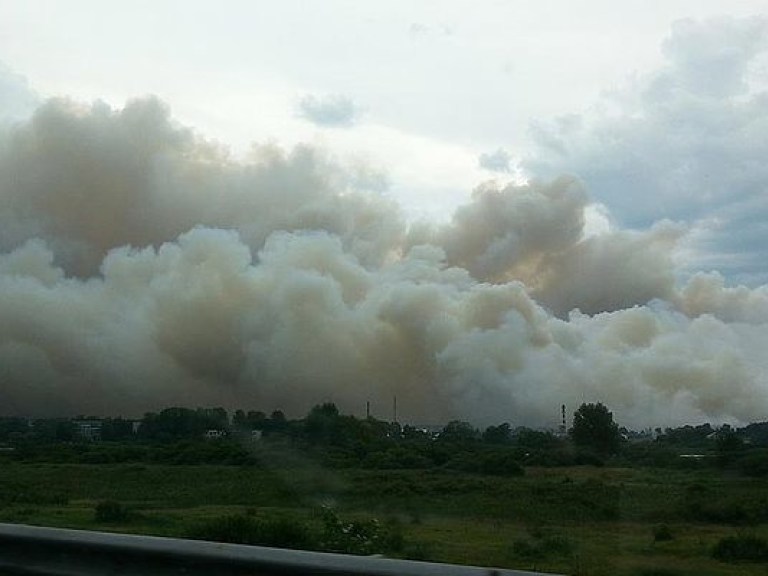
x=142 y=267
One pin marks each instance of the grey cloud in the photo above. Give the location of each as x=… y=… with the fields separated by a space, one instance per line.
x=711 y=58
x=504 y=233
x=418 y=29
x=498 y=161
x=686 y=143
x=17 y=99
x=534 y=233
x=708 y=294
x=332 y=110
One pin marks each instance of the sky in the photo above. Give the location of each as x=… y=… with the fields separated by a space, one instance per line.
x=417 y=89
x=607 y=157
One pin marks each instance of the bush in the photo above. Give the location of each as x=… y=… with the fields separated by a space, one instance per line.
x=501 y=463
x=241 y=529
x=417 y=551
x=656 y=571
x=363 y=537
x=543 y=546
x=741 y=548
x=284 y=533
x=110 y=511
x=705 y=505
x=755 y=464
x=730 y=512
x=547 y=458
x=498 y=462
x=662 y=533
x=592 y=499
x=356 y=537
x=395 y=459
x=588 y=458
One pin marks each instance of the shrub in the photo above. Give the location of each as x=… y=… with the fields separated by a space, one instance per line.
x=704 y=505
x=525 y=549
x=360 y=536
x=498 y=462
x=501 y=463
x=233 y=529
x=110 y=511
x=593 y=499
x=543 y=546
x=395 y=459
x=417 y=551
x=393 y=539
x=731 y=512
x=588 y=458
x=662 y=533
x=285 y=533
x=755 y=464
x=656 y=571
x=741 y=548
x=241 y=529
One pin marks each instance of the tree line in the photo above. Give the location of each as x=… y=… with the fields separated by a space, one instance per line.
x=178 y=434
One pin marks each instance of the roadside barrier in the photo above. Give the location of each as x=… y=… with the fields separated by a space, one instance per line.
x=33 y=550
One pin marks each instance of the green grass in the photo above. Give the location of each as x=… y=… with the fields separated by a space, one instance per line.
x=576 y=520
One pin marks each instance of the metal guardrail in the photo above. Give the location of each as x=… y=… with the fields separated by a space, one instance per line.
x=32 y=550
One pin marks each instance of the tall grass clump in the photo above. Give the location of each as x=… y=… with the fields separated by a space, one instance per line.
x=741 y=548
x=361 y=537
x=543 y=546
x=242 y=529
x=110 y=511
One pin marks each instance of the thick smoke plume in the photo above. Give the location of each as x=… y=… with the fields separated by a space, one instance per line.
x=141 y=267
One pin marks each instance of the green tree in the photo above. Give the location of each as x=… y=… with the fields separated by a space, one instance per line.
x=459 y=432
x=256 y=419
x=278 y=416
x=116 y=429
x=501 y=434
x=729 y=446
x=593 y=427
x=239 y=419
x=537 y=440
x=277 y=423
x=323 y=424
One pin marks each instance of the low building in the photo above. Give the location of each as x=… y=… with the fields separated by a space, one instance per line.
x=89 y=429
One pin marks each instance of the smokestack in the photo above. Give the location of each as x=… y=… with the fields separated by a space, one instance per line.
x=563 y=427
x=394 y=409
x=367 y=410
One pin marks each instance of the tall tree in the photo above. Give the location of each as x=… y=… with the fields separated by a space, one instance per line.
x=501 y=434
x=459 y=432
x=593 y=427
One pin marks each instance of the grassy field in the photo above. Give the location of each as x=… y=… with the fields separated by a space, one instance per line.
x=577 y=520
